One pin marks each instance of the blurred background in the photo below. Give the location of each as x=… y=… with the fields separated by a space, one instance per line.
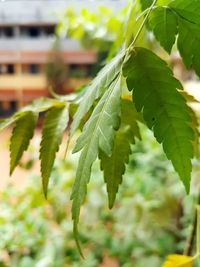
x=63 y=44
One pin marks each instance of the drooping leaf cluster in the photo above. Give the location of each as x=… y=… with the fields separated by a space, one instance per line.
x=179 y=20
x=111 y=120
x=25 y=120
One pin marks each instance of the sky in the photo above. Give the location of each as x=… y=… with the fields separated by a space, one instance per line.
x=18 y=10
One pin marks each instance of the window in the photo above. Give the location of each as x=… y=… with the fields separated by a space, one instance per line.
x=49 y=30
x=34 y=31
x=75 y=71
x=34 y=68
x=10 y=69
x=7 y=32
x=80 y=71
x=89 y=70
x=30 y=31
x=7 y=69
x=3 y=69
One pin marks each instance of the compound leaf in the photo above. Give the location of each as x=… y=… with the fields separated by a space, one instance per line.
x=164 y=108
x=98 y=133
x=21 y=136
x=96 y=89
x=163 y=23
x=114 y=166
x=42 y=104
x=180 y=17
x=187 y=9
x=37 y=106
x=189 y=43
x=55 y=122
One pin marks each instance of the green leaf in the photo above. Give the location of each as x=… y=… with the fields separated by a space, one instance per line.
x=4 y=123
x=189 y=43
x=42 y=104
x=189 y=98
x=96 y=89
x=114 y=166
x=129 y=25
x=105 y=116
x=163 y=23
x=56 y=120
x=131 y=117
x=179 y=17
x=37 y=106
x=21 y=136
x=98 y=133
x=164 y=109
x=187 y=9
x=194 y=125
x=147 y=3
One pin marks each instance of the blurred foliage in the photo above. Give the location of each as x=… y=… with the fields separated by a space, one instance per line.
x=56 y=70
x=105 y=29
x=149 y=220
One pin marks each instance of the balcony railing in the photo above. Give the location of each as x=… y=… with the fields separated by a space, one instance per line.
x=22 y=82
x=36 y=44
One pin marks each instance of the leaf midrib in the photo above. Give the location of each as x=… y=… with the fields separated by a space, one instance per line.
x=95 y=132
x=160 y=99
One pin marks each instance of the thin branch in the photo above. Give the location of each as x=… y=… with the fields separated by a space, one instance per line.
x=142 y=25
x=69 y=98
x=190 y=240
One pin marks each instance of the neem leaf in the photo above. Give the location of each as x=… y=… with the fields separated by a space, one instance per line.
x=164 y=108
x=187 y=9
x=163 y=23
x=4 y=123
x=21 y=136
x=147 y=3
x=104 y=118
x=97 y=88
x=180 y=17
x=37 y=106
x=190 y=99
x=98 y=133
x=42 y=104
x=55 y=122
x=189 y=43
x=114 y=166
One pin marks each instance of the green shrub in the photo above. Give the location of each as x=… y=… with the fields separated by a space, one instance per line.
x=147 y=223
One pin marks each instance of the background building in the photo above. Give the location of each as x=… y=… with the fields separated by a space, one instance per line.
x=26 y=40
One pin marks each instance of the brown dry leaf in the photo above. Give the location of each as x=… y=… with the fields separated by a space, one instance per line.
x=178 y=261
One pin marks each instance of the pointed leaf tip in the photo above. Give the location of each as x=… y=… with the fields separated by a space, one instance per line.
x=164 y=108
x=114 y=166
x=21 y=135
x=98 y=134
x=55 y=122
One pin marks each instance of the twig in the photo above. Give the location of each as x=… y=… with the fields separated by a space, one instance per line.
x=190 y=240
x=142 y=25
